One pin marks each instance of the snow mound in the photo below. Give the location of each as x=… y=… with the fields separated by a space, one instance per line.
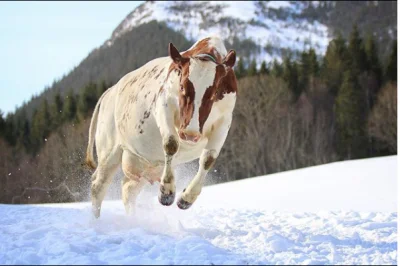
x=357 y=185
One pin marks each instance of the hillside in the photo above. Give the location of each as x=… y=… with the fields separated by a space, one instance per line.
x=340 y=213
x=110 y=63
x=271 y=27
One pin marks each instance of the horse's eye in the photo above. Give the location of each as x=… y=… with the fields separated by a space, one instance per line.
x=182 y=90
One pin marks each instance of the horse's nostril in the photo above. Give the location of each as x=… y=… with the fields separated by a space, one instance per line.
x=193 y=138
x=189 y=137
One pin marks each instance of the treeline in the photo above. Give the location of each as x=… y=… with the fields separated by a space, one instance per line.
x=353 y=74
x=300 y=112
x=379 y=17
x=307 y=111
x=41 y=158
x=30 y=136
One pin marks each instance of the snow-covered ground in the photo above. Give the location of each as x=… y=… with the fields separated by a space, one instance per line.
x=339 y=213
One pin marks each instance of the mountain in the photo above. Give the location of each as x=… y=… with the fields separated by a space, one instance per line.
x=271 y=26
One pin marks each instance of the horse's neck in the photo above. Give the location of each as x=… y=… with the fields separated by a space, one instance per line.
x=171 y=84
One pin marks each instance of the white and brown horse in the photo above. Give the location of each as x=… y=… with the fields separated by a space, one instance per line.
x=170 y=111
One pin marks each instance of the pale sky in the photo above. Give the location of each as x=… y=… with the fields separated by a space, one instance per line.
x=42 y=41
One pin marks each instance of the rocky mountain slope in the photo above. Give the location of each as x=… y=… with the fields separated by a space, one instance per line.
x=272 y=27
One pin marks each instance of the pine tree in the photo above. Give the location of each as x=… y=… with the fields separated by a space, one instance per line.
x=69 y=110
x=391 y=67
x=2 y=125
x=290 y=75
x=22 y=130
x=350 y=113
x=87 y=100
x=9 y=133
x=263 y=69
x=101 y=89
x=313 y=63
x=56 y=111
x=252 y=68
x=373 y=80
x=35 y=136
x=25 y=136
x=240 y=71
x=336 y=59
x=357 y=52
x=41 y=126
x=46 y=118
x=304 y=70
x=373 y=64
x=277 y=69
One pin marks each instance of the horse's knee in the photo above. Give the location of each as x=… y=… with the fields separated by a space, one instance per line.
x=171 y=146
x=209 y=162
x=94 y=175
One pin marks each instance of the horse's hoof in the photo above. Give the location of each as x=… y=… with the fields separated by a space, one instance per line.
x=96 y=212
x=166 y=199
x=183 y=204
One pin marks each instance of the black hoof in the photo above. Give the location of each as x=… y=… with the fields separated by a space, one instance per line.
x=183 y=205
x=166 y=199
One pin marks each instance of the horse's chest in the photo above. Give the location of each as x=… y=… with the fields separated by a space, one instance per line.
x=149 y=146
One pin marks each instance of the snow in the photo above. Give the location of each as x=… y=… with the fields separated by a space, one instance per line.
x=334 y=185
x=244 y=10
x=278 y=4
x=338 y=213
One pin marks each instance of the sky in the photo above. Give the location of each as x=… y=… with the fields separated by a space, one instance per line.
x=41 y=41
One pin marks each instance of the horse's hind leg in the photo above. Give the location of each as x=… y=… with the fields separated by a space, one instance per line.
x=132 y=182
x=130 y=191
x=102 y=178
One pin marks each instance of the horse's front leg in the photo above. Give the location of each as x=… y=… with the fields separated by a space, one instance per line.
x=165 y=121
x=167 y=184
x=206 y=162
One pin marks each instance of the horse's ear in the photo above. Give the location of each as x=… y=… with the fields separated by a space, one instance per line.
x=174 y=54
x=230 y=59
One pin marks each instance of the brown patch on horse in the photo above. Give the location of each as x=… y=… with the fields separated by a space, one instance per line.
x=181 y=65
x=227 y=84
x=224 y=83
x=159 y=73
x=186 y=97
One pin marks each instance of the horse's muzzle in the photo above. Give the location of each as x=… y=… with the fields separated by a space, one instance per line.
x=189 y=136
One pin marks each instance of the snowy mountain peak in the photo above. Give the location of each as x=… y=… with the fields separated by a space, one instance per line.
x=271 y=25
